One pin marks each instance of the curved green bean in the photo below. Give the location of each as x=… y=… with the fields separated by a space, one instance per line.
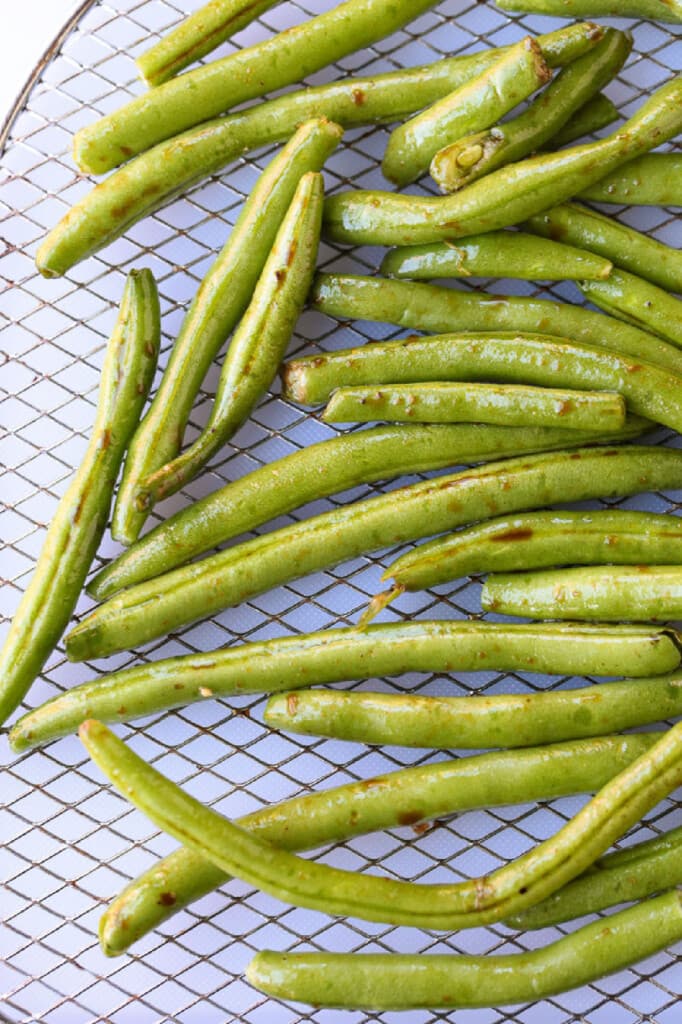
x=403 y=981
x=656 y=10
x=478 y=403
x=508 y=195
x=539 y=540
x=314 y=472
x=610 y=594
x=622 y=245
x=348 y=654
x=496 y=254
x=172 y=167
x=632 y=873
x=638 y=302
x=212 y=89
x=597 y=113
x=158 y=606
x=650 y=180
x=483 y=101
x=405 y=797
x=537 y=359
x=476 y=722
x=426 y=307
x=78 y=524
x=467 y=158
x=259 y=342
x=198 y=34
x=222 y=298
x=520 y=884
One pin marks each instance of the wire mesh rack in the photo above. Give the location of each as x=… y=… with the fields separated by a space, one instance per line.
x=68 y=844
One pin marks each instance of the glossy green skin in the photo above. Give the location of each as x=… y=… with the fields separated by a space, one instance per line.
x=657 y=10
x=314 y=472
x=161 y=605
x=74 y=534
x=244 y=75
x=403 y=981
x=536 y=359
x=508 y=195
x=629 y=874
x=638 y=302
x=470 y=157
x=196 y=35
x=426 y=307
x=480 y=103
x=496 y=254
x=539 y=540
x=222 y=298
x=155 y=177
x=405 y=797
x=348 y=654
x=651 y=180
x=609 y=594
x=520 y=884
x=477 y=403
x=597 y=113
x=260 y=341
x=475 y=722
x=622 y=245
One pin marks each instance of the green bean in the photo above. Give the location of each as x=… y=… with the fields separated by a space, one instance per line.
x=470 y=157
x=656 y=10
x=221 y=300
x=496 y=254
x=404 y=981
x=196 y=35
x=650 y=180
x=539 y=540
x=404 y=797
x=536 y=359
x=158 y=606
x=314 y=472
x=638 y=302
x=244 y=75
x=483 y=101
x=426 y=307
x=520 y=884
x=629 y=874
x=78 y=524
x=478 y=403
x=625 y=247
x=259 y=342
x=508 y=195
x=637 y=592
x=597 y=113
x=476 y=722
x=155 y=177
x=348 y=654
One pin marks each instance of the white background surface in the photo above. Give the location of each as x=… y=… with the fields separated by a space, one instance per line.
x=24 y=36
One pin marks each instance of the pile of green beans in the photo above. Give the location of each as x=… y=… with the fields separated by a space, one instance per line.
x=157 y=607
x=78 y=524
x=477 y=722
x=349 y=654
x=401 y=798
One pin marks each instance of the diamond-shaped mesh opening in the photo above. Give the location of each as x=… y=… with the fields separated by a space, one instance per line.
x=69 y=843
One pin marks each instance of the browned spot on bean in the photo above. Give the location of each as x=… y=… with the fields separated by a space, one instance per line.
x=409 y=817
x=359 y=97
x=521 y=533
x=167 y=899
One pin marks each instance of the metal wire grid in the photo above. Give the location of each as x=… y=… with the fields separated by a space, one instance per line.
x=68 y=844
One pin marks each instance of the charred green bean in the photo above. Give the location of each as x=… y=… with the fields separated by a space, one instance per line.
x=348 y=654
x=609 y=594
x=508 y=195
x=158 y=606
x=650 y=180
x=77 y=527
x=540 y=540
x=427 y=307
x=477 y=403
